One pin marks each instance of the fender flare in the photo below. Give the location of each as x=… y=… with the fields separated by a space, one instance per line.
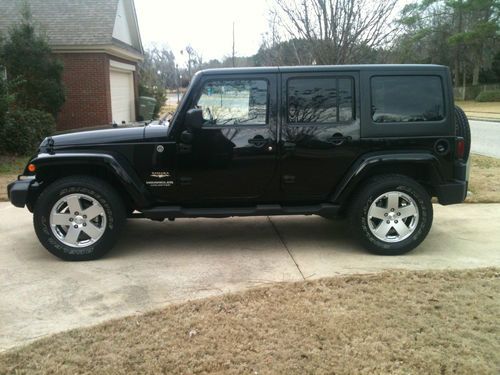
x=367 y=162
x=115 y=164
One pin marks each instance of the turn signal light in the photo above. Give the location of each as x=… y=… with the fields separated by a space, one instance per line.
x=460 y=148
x=31 y=168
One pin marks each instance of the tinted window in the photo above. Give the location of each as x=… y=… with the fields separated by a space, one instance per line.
x=233 y=102
x=320 y=100
x=407 y=99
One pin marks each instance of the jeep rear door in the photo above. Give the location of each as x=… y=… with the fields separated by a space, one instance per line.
x=232 y=158
x=319 y=131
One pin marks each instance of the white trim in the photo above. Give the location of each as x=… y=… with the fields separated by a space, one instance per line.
x=116 y=65
x=109 y=49
x=136 y=22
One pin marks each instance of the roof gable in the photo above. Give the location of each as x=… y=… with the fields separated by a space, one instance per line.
x=73 y=22
x=125 y=28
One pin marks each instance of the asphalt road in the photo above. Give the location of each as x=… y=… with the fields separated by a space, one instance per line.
x=485 y=138
x=155 y=264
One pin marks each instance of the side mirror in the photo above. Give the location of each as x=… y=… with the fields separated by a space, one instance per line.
x=194 y=118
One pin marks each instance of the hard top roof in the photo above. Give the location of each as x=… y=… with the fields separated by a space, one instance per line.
x=324 y=68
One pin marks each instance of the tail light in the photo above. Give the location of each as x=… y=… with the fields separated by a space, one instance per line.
x=460 y=148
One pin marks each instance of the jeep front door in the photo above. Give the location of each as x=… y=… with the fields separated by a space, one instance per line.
x=232 y=158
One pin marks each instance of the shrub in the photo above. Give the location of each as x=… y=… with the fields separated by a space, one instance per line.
x=22 y=130
x=489 y=96
x=28 y=60
x=158 y=94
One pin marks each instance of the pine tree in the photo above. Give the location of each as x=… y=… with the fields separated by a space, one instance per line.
x=28 y=60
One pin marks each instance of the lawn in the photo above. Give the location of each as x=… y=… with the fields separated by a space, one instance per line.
x=10 y=167
x=485 y=110
x=484 y=183
x=399 y=322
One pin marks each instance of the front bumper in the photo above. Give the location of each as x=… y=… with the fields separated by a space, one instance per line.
x=18 y=191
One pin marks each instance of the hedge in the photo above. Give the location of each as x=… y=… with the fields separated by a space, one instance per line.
x=23 y=130
x=489 y=96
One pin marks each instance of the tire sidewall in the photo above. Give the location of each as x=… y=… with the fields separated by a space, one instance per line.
x=422 y=200
x=462 y=128
x=44 y=232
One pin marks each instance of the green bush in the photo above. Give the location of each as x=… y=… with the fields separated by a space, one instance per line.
x=28 y=59
x=22 y=130
x=158 y=94
x=489 y=96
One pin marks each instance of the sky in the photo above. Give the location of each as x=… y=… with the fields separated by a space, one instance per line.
x=206 y=25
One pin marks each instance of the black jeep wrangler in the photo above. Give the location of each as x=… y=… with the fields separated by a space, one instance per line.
x=371 y=142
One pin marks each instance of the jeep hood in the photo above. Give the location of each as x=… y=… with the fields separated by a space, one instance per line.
x=95 y=137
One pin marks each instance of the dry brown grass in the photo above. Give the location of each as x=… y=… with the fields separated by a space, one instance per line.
x=486 y=110
x=5 y=179
x=440 y=322
x=10 y=167
x=484 y=181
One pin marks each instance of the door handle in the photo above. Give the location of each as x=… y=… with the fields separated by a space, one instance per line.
x=258 y=141
x=183 y=148
x=338 y=139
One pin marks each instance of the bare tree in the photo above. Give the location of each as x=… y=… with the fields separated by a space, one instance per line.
x=338 y=31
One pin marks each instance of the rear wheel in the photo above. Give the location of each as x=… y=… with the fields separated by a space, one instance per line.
x=391 y=215
x=78 y=218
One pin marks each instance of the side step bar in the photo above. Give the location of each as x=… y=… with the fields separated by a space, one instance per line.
x=171 y=212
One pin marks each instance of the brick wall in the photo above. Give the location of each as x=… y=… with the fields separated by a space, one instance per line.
x=88 y=99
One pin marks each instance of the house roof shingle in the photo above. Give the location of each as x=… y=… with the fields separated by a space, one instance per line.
x=66 y=22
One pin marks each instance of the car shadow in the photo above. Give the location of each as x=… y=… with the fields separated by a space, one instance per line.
x=235 y=234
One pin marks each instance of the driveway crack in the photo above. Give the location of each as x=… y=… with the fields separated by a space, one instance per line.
x=285 y=246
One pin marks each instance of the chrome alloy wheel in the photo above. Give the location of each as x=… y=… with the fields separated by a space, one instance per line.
x=78 y=220
x=393 y=216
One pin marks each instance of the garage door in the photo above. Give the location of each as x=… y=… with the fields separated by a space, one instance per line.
x=122 y=96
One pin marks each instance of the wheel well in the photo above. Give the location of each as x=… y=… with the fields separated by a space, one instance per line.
x=46 y=176
x=423 y=173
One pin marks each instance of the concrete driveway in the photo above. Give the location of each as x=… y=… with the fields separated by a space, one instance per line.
x=159 y=263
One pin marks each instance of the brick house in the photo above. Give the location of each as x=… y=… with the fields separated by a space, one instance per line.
x=100 y=45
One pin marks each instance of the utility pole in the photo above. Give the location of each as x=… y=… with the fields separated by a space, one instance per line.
x=233 y=47
x=178 y=82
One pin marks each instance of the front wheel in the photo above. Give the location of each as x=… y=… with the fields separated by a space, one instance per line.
x=391 y=215
x=78 y=218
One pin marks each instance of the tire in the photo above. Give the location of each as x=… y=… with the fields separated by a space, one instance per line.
x=462 y=129
x=377 y=192
x=101 y=226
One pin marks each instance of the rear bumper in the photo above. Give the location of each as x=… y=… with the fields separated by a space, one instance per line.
x=452 y=193
x=18 y=191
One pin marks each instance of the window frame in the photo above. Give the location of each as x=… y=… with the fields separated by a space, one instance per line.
x=400 y=74
x=235 y=78
x=374 y=130
x=329 y=75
